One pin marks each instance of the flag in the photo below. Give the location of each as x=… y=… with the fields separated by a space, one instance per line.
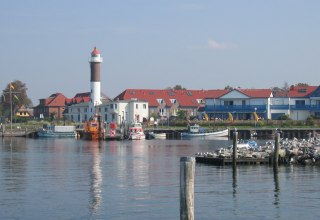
x=16 y=97
x=256 y=117
x=230 y=118
x=206 y=117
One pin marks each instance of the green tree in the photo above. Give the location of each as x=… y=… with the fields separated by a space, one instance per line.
x=302 y=84
x=182 y=115
x=228 y=87
x=15 y=92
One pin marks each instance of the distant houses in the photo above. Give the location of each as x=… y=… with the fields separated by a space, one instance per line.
x=298 y=103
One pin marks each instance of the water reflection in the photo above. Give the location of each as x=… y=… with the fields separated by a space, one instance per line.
x=276 y=185
x=95 y=178
x=14 y=163
x=234 y=182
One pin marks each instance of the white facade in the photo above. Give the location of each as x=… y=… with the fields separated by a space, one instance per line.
x=127 y=111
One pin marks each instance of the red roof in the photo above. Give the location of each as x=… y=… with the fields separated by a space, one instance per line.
x=256 y=93
x=301 y=91
x=95 y=51
x=57 y=99
x=185 y=98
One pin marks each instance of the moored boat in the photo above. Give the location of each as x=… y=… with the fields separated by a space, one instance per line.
x=112 y=133
x=94 y=129
x=196 y=131
x=135 y=132
x=158 y=135
x=57 y=131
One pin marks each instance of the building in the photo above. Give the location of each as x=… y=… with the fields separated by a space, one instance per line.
x=120 y=111
x=166 y=103
x=24 y=112
x=54 y=105
x=241 y=103
x=298 y=103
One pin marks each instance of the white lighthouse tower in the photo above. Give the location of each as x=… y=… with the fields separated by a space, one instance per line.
x=95 y=60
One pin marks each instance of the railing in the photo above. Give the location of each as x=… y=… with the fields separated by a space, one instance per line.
x=258 y=108
x=237 y=108
x=296 y=107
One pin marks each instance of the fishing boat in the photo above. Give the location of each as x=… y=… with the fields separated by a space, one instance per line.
x=196 y=131
x=135 y=132
x=56 y=131
x=94 y=128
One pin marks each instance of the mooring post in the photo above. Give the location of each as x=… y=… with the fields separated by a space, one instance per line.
x=234 y=149
x=187 y=168
x=276 y=149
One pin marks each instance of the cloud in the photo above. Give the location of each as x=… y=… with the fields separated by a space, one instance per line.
x=215 y=45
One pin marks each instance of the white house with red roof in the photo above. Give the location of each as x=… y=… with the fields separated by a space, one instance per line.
x=168 y=102
x=111 y=111
x=298 y=103
x=241 y=103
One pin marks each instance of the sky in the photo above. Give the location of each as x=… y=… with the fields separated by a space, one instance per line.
x=155 y=44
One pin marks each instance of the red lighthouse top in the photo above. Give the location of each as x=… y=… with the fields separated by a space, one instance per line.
x=95 y=52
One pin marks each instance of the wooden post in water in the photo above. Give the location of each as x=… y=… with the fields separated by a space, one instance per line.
x=276 y=149
x=187 y=168
x=234 y=149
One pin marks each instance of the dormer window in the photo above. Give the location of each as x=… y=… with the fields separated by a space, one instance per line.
x=160 y=101
x=200 y=101
x=173 y=101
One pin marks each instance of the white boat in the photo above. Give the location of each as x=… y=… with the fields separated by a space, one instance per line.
x=57 y=131
x=136 y=132
x=158 y=135
x=196 y=131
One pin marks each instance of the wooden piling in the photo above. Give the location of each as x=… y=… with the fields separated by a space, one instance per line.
x=234 y=149
x=187 y=169
x=276 y=149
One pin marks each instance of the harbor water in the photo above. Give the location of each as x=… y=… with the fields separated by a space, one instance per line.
x=76 y=179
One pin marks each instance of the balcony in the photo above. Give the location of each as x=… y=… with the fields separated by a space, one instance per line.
x=236 y=108
x=296 y=107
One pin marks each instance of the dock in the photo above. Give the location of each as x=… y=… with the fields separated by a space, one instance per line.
x=228 y=161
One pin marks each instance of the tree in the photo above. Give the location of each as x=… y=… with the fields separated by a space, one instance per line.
x=228 y=87
x=15 y=92
x=182 y=115
x=302 y=84
x=176 y=87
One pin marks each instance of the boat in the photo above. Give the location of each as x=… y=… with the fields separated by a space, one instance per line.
x=57 y=131
x=196 y=131
x=112 y=133
x=135 y=132
x=94 y=128
x=157 y=135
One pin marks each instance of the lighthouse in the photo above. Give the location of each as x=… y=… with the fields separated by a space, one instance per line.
x=95 y=60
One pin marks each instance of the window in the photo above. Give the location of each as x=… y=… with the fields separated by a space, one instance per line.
x=243 y=102
x=144 y=106
x=111 y=106
x=85 y=110
x=105 y=109
x=136 y=106
x=227 y=103
x=115 y=106
x=173 y=101
x=189 y=93
x=300 y=102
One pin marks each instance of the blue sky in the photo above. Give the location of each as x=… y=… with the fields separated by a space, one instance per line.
x=200 y=44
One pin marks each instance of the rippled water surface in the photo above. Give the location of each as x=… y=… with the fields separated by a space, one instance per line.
x=76 y=179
